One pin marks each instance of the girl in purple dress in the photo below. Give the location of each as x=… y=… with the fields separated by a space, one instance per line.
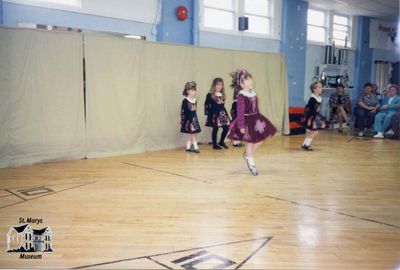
x=249 y=126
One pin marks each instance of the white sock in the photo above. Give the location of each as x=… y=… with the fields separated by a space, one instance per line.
x=195 y=146
x=236 y=142
x=251 y=161
x=188 y=144
x=307 y=141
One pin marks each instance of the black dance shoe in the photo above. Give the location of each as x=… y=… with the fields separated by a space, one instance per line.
x=307 y=148
x=217 y=147
x=223 y=145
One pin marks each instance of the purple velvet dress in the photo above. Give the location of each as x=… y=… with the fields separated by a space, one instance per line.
x=257 y=127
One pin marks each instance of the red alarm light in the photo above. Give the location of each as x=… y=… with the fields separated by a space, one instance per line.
x=182 y=13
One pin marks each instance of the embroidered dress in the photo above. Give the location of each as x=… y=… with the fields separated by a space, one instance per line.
x=257 y=127
x=214 y=108
x=314 y=120
x=189 y=120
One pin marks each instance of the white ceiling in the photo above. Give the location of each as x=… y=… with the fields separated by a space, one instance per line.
x=382 y=9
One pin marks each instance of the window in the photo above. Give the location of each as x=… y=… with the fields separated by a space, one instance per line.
x=219 y=14
x=325 y=27
x=258 y=13
x=316 y=26
x=223 y=15
x=341 y=30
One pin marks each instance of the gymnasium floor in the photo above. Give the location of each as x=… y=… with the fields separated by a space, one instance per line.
x=335 y=208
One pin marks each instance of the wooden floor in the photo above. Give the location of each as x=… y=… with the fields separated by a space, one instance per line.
x=335 y=208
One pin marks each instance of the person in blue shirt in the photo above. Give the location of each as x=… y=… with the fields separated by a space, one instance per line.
x=390 y=105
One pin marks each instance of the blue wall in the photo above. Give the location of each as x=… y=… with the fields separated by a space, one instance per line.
x=1 y=11
x=15 y=13
x=172 y=30
x=293 y=46
x=363 y=61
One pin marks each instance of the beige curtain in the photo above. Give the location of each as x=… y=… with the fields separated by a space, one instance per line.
x=41 y=97
x=165 y=66
x=115 y=96
x=134 y=91
x=133 y=99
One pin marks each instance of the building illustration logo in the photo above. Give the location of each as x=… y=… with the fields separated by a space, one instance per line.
x=23 y=238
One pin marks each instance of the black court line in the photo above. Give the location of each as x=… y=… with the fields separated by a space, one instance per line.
x=252 y=254
x=159 y=263
x=351 y=138
x=26 y=200
x=15 y=195
x=79 y=181
x=167 y=172
x=200 y=253
x=276 y=198
x=331 y=211
x=267 y=239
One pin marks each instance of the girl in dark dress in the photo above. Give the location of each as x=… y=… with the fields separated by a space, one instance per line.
x=189 y=121
x=217 y=116
x=250 y=125
x=314 y=120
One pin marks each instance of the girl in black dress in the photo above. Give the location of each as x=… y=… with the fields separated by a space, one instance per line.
x=217 y=116
x=314 y=120
x=189 y=121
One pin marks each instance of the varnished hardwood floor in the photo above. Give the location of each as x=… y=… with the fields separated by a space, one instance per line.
x=335 y=208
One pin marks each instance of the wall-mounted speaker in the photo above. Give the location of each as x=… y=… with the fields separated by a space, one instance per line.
x=243 y=23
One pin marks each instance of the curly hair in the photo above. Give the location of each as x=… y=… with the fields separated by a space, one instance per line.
x=188 y=86
x=238 y=76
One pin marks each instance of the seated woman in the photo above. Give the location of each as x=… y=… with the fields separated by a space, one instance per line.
x=366 y=109
x=390 y=105
x=340 y=106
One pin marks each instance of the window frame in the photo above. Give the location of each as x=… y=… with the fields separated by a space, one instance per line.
x=349 y=26
x=329 y=24
x=325 y=27
x=233 y=11
x=238 y=11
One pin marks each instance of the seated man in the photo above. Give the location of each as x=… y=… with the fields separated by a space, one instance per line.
x=390 y=106
x=340 y=106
